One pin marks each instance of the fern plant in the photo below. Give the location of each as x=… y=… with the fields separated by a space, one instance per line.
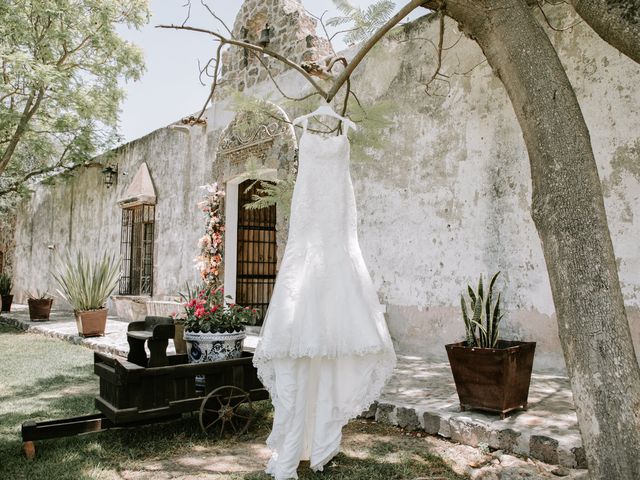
x=362 y=23
x=273 y=192
x=482 y=320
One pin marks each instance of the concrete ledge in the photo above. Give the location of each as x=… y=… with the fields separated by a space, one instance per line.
x=422 y=396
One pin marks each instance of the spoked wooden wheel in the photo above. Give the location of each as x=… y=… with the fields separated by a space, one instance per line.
x=226 y=407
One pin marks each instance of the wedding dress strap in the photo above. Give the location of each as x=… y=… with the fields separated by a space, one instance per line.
x=324 y=110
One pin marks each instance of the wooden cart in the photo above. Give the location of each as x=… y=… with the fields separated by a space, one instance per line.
x=132 y=395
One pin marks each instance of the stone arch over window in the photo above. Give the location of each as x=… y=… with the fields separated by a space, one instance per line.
x=254 y=146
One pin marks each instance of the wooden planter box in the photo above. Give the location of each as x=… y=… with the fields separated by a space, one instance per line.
x=492 y=379
x=39 y=308
x=91 y=323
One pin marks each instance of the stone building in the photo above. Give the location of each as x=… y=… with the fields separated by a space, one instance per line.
x=443 y=197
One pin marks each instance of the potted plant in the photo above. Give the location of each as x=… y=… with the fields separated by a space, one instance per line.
x=86 y=285
x=5 y=292
x=213 y=329
x=490 y=374
x=39 y=305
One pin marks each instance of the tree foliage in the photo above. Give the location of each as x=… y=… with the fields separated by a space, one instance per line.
x=361 y=23
x=61 y=62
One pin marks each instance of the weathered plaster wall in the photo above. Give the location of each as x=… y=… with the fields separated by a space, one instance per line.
x=459 y=163
x=446 y=198
x=81 y=214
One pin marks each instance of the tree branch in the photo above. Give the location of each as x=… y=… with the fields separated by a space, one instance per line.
x=15 y=186
x=369 y=44
x=249 y=46
x=215 y=81
x=30 y=108
x=278 y=87
x=439 y=52
x=617 y=22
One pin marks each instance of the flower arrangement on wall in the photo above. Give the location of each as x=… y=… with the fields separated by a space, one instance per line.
x=209 y=262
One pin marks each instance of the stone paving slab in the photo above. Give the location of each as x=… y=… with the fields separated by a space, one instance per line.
x=62 y=324
x=421 y=395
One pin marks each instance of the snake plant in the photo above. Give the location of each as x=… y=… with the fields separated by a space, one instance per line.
x=482 y=320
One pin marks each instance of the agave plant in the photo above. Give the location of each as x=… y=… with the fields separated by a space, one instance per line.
x=86 y=285
x=38 y=295
x=482 y=327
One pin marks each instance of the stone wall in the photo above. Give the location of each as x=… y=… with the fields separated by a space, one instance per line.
x=81 y=214
x=292 y=34
x=445 y=198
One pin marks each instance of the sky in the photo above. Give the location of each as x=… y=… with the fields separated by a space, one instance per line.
x=170 y=88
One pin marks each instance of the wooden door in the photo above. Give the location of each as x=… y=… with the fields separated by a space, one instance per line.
x=256 y=267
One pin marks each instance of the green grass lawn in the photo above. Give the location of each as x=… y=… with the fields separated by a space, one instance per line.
x=43 y=378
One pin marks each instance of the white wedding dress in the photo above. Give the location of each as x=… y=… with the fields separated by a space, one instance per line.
x=324 y=351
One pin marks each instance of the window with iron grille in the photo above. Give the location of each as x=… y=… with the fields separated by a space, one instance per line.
x=136 y=248
x=256 y=267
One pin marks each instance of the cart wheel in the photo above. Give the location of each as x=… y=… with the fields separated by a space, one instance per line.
x=224 y=407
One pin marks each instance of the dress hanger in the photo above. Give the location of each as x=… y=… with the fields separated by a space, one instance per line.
x=325 y=110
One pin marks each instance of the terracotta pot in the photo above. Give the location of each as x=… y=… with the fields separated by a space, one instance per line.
x=178 y=340
x=91 y=323
x=39 y=308
x=492 y=379
x=7 y=300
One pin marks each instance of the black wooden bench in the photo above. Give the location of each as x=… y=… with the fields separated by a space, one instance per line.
x=156 y=332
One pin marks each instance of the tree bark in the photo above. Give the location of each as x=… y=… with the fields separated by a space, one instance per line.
x=30 y=108
x=569 y=214
x=616 y=21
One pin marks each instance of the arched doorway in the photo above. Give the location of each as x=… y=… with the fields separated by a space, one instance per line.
x=253 y=148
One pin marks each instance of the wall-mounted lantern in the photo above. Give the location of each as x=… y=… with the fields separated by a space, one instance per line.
x=265 y=36
x=110 y=175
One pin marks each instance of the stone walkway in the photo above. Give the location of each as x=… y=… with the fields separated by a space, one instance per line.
x=420 y=396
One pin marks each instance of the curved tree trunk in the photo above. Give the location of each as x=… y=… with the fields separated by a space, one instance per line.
x=616 y=21
x=568 y=211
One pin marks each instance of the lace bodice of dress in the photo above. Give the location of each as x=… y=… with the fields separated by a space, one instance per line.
x=323 y=204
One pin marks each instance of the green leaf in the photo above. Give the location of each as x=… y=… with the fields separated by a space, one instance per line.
x=87 y=284
x=469 y=328
x=74 y=72
x=472 y=295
